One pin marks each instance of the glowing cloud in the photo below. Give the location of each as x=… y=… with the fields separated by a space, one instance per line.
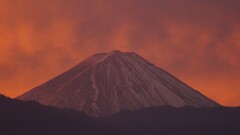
x=196 y=40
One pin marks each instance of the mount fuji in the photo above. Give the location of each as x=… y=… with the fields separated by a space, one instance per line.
x=106 y=83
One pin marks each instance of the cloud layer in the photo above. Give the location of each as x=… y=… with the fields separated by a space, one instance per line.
x=196 y=40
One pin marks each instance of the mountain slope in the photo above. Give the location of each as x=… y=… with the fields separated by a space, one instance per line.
x=168 y=120
x=106 y=83
x=31 y=118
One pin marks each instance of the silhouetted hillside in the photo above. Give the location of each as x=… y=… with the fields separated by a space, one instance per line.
x=186 y=120
x=31 y=118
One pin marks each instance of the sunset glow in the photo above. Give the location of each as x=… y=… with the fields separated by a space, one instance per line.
x=196 y=40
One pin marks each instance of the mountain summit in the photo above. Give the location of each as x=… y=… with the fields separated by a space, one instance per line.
x=106 y=83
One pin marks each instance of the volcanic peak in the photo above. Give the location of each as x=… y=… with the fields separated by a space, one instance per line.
x=106 y=83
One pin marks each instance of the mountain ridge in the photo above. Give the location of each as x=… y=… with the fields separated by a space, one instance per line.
x=106 y=83
x=28 y=118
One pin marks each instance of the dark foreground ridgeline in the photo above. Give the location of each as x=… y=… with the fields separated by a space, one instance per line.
x=30 y=118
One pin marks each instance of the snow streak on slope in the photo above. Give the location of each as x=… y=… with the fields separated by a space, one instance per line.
x=106 y=83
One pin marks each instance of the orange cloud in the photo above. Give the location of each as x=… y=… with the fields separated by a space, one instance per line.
x=198 y=41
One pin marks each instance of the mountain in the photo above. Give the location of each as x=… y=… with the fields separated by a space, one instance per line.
x=107 y=83
x=167 y=120
x=31 y=118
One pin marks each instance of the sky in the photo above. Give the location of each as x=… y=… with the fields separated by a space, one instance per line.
x=198 y=41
